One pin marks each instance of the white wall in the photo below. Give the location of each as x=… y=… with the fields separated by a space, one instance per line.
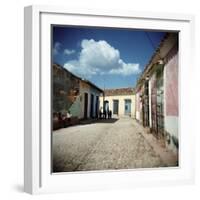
x=137 y=107
x=80 y=101
x=11 y=107
x=171 y=126
x=84 y=90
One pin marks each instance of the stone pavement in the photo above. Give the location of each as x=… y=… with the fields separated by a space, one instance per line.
x=104 y=144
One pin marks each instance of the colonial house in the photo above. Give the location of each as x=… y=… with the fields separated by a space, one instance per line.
x=121 y=101
x=74 y=95
x=157 y=93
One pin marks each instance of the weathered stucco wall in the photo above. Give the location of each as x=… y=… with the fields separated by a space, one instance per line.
x=69 y=91
x=171 y=102
x=75 y=108
x=171 y=86
x=65 y=89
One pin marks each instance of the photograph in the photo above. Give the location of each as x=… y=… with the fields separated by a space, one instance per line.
x=114 y=99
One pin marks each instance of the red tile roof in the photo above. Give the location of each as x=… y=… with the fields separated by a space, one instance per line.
x=119 y=91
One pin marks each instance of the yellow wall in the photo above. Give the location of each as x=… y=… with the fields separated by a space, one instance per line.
x=121 y=99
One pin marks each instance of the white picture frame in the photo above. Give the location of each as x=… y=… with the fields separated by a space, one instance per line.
x=37 y=142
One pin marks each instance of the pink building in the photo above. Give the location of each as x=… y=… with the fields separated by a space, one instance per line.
x=157 y=93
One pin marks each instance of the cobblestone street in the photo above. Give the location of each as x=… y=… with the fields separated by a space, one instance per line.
x=108 y=144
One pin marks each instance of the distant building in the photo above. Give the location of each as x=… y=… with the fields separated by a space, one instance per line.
x=157 y=93
x=120 y=101
x=74 y=95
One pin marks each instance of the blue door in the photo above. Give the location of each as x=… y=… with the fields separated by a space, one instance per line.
x=127 y=107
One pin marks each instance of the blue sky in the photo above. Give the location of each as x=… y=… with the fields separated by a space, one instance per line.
x=108 y=57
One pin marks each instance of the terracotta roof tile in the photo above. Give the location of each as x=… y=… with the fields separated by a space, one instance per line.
x=119 y=91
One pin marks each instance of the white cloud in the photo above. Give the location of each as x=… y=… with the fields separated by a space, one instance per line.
x=127 y=69
x=57 y=48
x=99 y=57
x=68 y=51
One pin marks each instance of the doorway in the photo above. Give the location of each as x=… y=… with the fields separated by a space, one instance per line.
x=157 y=103
x=160 y=101
x=91 y=105
x=115 y=107
x=145 y=105
x=97 y=107
x=85 y=105
x=127 y=107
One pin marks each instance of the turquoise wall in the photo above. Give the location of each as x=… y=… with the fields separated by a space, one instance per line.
x=75 y=108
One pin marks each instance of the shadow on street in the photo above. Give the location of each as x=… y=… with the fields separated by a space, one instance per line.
x=93 y=121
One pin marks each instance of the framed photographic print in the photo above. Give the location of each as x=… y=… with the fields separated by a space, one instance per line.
x=104 y=96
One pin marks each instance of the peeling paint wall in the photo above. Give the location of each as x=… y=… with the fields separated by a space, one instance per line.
x=68 y=93
x=65 y=89
x=171 y=86
x=171 y=100
x=75 y=108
